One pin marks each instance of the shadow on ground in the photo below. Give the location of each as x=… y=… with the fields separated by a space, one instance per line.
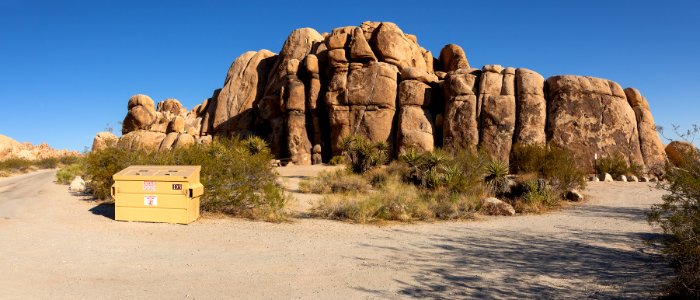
x=104 y=209
x=572 y=263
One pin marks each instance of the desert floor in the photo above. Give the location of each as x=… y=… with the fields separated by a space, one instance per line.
x=58 y=245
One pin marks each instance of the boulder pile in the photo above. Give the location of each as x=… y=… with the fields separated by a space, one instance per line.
x=377 y=81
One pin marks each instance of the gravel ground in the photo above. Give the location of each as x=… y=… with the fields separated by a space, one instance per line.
x=60 y=246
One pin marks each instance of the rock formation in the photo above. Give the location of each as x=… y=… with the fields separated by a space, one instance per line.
x=9 y=148
x=377 y=81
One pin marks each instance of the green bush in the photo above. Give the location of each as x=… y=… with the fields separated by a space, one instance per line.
x=337 y=160
x=679 y=216
x=237 y=181
x=616 y=166
x=340 y=181
x=66 y=174
x=362 y=154
x=16 y=165
x=397 y=200
x=556 y=165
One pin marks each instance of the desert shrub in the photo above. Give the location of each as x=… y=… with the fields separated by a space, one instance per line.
x=362 y=154
x=16 y=165
x=556 y=165
x=535 y=195
x=397 y=200
x=679 y=216
x=339 y=181
x=337 y=160
x=616 y=166
x=237 y=181
x=66 y=174
x=47 y=163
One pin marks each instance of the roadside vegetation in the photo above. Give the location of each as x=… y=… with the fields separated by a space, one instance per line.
x=237 y=175
x=617 y=166
x=12 y=166
x=439 y=185
x=679 y=217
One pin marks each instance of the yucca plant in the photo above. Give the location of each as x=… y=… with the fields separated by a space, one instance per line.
x=495 y=177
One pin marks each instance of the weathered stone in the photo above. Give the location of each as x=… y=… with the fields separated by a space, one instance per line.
x=622 y=178
x=590 y=115
x=141 y=100
x=141 y=140
x=170 y=105
x=412 y=92
x=452 y=57
x=295 y=95
x=139 y=117
x=650 y=144
x=411 y=73
x=316 y=159
x=679 y=153
x=77 y=185
x=376 y=124
x=395 y=48
x=375 y=84
x=337 y=59
x=460 y=125
x=633 y=178
x=359 y=48
x=168 y=141
x=606 y=177
x=243 y=86
x=176 y=125
x=498 y=126
x=531 y=108
x=183 y=140
x=298 y=143
x=574 y=195
x=415 y=129
x=103 y=140
x=496 y=207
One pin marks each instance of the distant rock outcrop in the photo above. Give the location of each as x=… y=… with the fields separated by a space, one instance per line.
x=377 y=81
x=9 y=148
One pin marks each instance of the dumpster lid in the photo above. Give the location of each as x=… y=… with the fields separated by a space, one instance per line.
x=159 y=173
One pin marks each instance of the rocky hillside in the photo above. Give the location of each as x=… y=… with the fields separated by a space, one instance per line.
x=10 y=148
x=377 y=81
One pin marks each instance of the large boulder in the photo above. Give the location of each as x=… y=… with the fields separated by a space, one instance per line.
x=375 y=84
x=452 y=58
x=461 y=124
x=141 y=140
x=679 y=153
x=650 y=144
x=531 y=108
x=496 y=207
x=172 y=106
x=497 y=111
x=243 y=86
x=104 y=140
x=398 y=49
x=591 y=115
x=141 y=114
x=415 y=129
x=271 y=108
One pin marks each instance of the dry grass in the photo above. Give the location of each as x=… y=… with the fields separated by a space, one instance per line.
x=394 y=200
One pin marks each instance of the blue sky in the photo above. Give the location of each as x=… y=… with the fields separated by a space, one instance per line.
x=67 y=68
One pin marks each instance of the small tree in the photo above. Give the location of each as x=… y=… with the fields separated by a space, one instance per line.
x=679 y=216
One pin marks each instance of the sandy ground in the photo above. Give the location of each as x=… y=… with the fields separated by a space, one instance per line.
x=56 y=245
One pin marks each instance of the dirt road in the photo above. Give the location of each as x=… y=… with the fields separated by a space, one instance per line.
x=55 y=245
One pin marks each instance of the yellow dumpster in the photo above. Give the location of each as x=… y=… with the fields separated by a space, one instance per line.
x=168 y=194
